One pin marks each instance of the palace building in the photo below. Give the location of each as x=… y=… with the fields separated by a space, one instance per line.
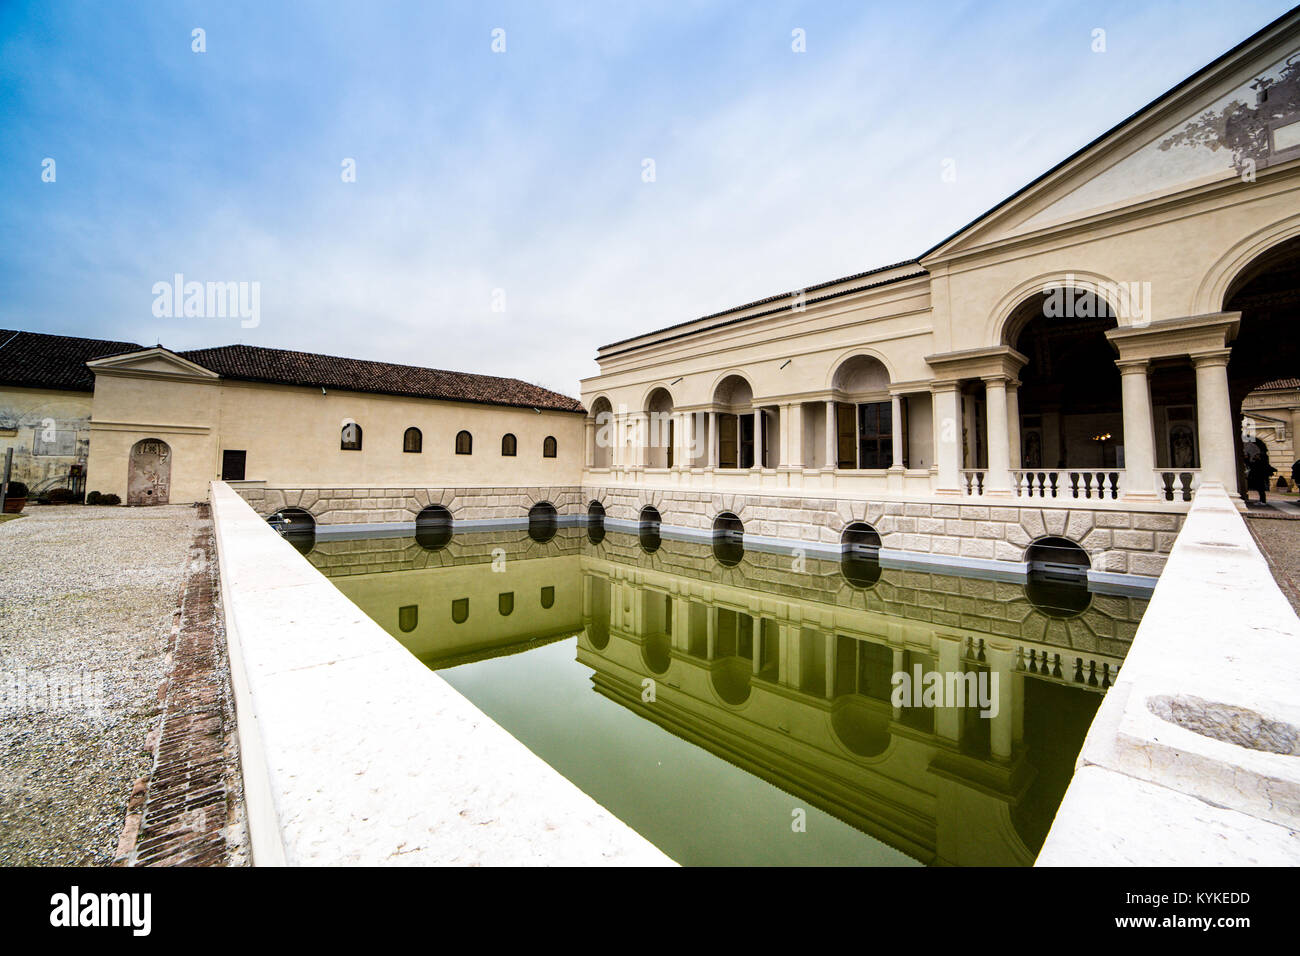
x=1071 y=365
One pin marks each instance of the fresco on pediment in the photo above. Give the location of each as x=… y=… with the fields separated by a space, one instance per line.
x=1233 y=136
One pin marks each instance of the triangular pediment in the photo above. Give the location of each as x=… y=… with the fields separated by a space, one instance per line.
x=1229 y=122
x=156 y=361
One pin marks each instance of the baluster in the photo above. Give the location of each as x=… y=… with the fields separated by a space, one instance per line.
x=1074 y=484
x=1105 y=676
x=1092 y=673
x=1167 y=479
x=980 y=655
x=1033 y=661
x=1054 y=478
x=1078 y=670
x=1056 y=669
x=1186 y=479
x=1114 y=484
x=1019 y=663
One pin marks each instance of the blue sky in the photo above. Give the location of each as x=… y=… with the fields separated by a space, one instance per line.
x=522 y=171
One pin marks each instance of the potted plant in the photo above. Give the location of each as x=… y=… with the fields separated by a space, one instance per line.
x=15 y=498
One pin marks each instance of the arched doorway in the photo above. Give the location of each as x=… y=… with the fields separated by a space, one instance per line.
x=1070 y=407
x=149 y=473
x=739 y=440
x=863 y=425
x=661 y=430
x=1267 y=294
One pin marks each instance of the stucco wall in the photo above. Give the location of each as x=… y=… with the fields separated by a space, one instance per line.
x=60 y=418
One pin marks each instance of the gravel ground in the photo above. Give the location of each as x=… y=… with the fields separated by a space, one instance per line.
x=1279 y=539
x=87 y=597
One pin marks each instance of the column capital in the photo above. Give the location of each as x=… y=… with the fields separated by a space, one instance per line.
x=1131 y=366
x=1210 y=358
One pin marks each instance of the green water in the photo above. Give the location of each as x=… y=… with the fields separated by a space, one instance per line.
x=734 y=708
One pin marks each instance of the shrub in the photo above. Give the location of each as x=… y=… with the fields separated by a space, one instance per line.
x=17 y=490
x=60 y=496
x=93 y=498
x=110 y=499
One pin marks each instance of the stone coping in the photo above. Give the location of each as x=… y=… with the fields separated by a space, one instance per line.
x=1194 y=756
x=355 y=753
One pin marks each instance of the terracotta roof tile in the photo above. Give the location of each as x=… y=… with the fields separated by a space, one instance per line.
x=37 y=360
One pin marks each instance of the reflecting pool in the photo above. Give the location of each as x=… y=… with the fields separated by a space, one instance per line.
x=737 y=706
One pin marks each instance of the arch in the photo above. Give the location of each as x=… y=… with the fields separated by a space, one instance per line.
x=509 y=445
x=547 y=597
x=408 y=617
x=860 y=555
x=464 y=443
x=730 y=678
x=550 y=447
x=660 y=428
x=648 y=396
x=1055 y=551
x=648 y=533
x=149 y=473
x=860 y=728
x=1212 y=293
x=350 y=437
x=657 y=653
x=412 y=441
x=460 y=610
x=296 y=526
x=433 y=528
x=998 y=324
x=543 y=520
x=733 y=390
x=595 y=522
x=728 y=539
x=506 y=603
x=602 y=437
x=833 y=370
x=600 y=403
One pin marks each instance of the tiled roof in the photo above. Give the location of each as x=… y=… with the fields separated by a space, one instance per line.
x=251 y=363
x=36 y=360
x=1278 y=384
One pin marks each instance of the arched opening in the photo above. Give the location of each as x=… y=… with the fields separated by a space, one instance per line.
x=433 y=528
x=350 y=437
x=1266 y=350
x=660 y=437
x=543 y=520
x=860 y=555
x=412 y=441
x=296 y=526
x=739 y=439
x=509 y=445
x=464 y=443
x=728 y=539
x=1058 y=577
x=602 y=434
x=408 y=617
x=550 y=448
x=657 y=646
x=648 y=532
x=595 y=522
x=1070 y=407
x=864 y=425
x=149 y=473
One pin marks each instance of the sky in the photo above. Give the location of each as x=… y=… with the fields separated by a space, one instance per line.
x=398 y=189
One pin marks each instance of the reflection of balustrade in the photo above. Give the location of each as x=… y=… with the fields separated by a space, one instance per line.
x=1067 y=484
x=1177 y=485
x=1087 y=671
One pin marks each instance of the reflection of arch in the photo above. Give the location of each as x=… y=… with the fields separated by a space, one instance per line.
x=860 y=555
x=657 y=653
x=730 y=679
x=433 y=528
x=863 y=728
x=296 y=526
x=149 y=473
x=542 y=521
x=595 y=522
x=460 y=610
x=408 y=617
x=728 y=539
x=648 y=532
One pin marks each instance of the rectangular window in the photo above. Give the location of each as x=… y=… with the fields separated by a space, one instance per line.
x=875 y=435
x=845 y=436
x=727 y=443
x=232 y=465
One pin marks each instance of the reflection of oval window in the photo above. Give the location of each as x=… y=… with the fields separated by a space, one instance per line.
x=459 y=610
x=548 y=597
x=408 y=617
x=506 y=603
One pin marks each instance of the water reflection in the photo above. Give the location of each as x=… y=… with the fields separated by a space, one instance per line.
x=785 y=673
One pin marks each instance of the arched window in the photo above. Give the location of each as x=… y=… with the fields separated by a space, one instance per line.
x=549 y=447
x=509 y=445
x=506 y=603
x=548 y=597
x=350 y=438
x=408 y=617
x=460 y=610
x=464 y=443
x=413 y=441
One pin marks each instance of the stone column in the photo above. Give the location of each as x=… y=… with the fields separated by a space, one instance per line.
x=710 y=632
x=832 y=445
x=758 y=437
x=1013 y=423
x=713 y=440
x=756 y=642
x=896 y=430
x=1214 y=424
x=783 y=432
x=795 y=441
x=900 y=661
x=589 y=440
x=947 y=437
x=998 y=479
x=1001 y=733
x=1139 y=431
x=829 y=638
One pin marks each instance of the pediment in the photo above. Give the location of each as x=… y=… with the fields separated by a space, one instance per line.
x=156 y=361
x=1229 y=122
